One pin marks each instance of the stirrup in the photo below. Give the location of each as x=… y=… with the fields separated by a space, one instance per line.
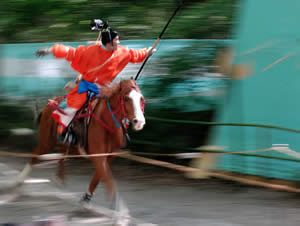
x=67 y=138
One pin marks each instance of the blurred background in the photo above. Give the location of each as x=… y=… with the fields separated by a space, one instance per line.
x=224 y=79
x=195 y=85
x=181 y=81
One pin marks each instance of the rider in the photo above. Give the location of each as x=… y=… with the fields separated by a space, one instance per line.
x=98 y=64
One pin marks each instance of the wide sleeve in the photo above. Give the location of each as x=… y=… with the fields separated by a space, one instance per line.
x=67 y=52
x=137 y=56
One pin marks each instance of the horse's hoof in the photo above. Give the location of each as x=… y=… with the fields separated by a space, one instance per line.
x=86 y=200
x=58 y=181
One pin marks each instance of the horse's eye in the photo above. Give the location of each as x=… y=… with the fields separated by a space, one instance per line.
x=126 y=98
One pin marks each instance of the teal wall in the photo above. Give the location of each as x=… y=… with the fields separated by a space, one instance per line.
x=267 y=31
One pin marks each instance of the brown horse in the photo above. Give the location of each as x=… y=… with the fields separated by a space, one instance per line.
x=118 y=101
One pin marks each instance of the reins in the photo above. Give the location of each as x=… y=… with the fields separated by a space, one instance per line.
x=98 y=119
x=112 y=113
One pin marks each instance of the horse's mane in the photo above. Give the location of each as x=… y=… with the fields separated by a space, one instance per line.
x=109 y=90
x=113 y=89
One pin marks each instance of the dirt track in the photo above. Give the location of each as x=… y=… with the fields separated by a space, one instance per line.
x=160 y=196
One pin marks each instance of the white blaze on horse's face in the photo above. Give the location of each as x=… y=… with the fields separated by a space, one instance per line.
x=138 y=121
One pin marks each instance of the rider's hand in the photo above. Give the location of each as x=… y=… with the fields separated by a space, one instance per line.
x=43 y=52
x=150 y=51
x=78 y=78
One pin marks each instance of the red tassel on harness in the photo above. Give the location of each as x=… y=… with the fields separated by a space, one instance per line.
x=54 y=105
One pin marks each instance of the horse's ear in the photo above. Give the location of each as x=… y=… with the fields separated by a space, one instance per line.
x=133 y=80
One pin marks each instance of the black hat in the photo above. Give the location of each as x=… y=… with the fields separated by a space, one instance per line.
x=97 y=25
x=108 y=35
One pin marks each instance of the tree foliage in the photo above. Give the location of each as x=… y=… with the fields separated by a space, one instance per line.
x=67 y=20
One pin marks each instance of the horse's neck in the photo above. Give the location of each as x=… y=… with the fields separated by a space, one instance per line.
x=102 y=109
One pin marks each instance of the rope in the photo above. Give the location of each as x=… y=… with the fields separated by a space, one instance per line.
x=219 y=153
x=181 y=168
x=283 y=150
x=24 y=155
x=217 y=150
x=221 y=124
x=159 y=163
x=215 y=174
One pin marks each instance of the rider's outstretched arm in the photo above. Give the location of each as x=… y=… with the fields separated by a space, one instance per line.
x=62 y=51
x=138 y=56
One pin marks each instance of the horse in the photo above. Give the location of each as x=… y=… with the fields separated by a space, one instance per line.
x=104 y=133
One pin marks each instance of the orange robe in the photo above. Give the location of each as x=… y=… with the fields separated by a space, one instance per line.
x=96 y=64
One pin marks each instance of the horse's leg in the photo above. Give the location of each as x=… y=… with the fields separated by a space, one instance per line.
x=102 y=172
x=28 y=167
x=122 y=216
x=39 y=150
x=102 y=169
x=60 y=171
x=46 y=142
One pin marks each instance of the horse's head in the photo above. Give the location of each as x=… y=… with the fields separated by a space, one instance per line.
x=132 y=102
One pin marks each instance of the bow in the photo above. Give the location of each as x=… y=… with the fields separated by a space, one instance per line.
x=159 y=37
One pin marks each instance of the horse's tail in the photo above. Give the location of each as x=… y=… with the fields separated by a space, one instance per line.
x=37 y=114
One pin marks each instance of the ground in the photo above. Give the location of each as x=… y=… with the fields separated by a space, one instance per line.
x=154 y=195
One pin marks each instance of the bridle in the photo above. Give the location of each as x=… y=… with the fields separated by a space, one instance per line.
x=122 y=97
x=121 y=107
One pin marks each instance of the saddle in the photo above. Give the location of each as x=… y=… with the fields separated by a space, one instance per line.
x=78 y=128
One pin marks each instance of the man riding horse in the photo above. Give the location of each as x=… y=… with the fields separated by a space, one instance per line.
x=98 y=64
